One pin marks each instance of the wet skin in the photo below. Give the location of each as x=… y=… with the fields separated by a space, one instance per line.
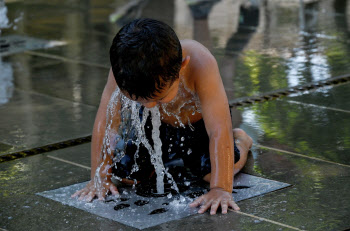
x=199 y=75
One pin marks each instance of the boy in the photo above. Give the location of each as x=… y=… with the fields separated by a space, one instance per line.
x=151 y=66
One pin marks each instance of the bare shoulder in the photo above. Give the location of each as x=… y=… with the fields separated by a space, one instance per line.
x=196 y=51
x=202 y=63
x=109 y=88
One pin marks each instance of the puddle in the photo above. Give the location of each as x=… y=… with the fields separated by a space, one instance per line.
x=135 y=210
x=12 y=44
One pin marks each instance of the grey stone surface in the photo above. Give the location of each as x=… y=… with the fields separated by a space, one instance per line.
x=311 y=131
x=5 y=147
x=22 y=209
x=318 y=199
x=31 y=120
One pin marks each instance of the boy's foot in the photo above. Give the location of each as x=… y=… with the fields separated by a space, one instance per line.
x=243 y=141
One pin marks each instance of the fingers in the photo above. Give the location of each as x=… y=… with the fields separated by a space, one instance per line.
x=113 y=189
x=224 y=207
x=234 y=205
x=77 y=193
x=83 y=194
x=90 y=196
x=214 y=207
x=90 y=192
x=205 y=207
x=197 y=202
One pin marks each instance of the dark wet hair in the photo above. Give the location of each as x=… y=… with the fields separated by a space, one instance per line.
x=146 y=56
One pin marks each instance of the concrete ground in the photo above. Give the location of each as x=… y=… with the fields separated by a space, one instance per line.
x=261 y=46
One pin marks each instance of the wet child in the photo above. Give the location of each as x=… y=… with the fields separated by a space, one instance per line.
x=151 y=66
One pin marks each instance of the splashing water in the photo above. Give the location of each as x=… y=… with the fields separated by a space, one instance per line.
x=4 y=21
x=122 y=128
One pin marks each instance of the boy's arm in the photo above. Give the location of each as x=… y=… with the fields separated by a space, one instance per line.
x=99 y=129
x=97 y=158
x=217 y=119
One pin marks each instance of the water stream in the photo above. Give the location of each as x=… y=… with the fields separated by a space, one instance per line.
x=123 y=130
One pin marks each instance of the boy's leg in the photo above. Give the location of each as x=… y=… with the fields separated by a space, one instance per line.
x=243 y=143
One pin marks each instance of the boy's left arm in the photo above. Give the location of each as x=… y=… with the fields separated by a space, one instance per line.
x=217 y=119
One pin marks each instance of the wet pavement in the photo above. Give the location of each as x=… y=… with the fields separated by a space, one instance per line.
x=52 y=94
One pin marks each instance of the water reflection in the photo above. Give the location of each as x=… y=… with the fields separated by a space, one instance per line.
x=6 y=73
x=6 y=82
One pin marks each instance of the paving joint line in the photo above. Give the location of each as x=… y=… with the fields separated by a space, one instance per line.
x=69 y=162
x=40 y=54
x=265 y=219
x=318 y=106
x=300 y=155
x=272 y=95
x=55 y=97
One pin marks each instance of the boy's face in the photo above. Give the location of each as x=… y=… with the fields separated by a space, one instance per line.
x=165 y=96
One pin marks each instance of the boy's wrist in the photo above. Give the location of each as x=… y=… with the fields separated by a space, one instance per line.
x=227 y=188
x=221 y=181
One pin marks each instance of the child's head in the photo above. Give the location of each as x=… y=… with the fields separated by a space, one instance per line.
x=146 y=58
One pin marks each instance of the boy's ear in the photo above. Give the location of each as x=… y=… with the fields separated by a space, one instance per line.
x=185 y=61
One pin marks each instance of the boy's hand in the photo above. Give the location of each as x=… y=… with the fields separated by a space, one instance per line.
x=214 y=198
x=90 y=191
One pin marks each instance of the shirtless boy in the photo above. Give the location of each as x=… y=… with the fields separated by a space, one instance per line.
x=151 y=66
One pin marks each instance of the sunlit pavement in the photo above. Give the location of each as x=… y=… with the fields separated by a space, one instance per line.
x=52 y=94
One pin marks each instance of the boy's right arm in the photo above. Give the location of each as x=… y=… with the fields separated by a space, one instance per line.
x=94 y=188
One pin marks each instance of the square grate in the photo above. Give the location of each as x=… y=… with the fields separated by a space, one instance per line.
x=141 y=211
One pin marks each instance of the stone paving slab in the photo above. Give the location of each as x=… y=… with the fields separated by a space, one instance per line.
x=336 y=97
x=22 y=209
x=318 y=199
x=31 y=120
x=74 y=82
x=311 y=131
x=21 y=179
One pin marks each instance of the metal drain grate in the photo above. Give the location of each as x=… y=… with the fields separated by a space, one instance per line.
x=12 y=44
x=142 y=212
